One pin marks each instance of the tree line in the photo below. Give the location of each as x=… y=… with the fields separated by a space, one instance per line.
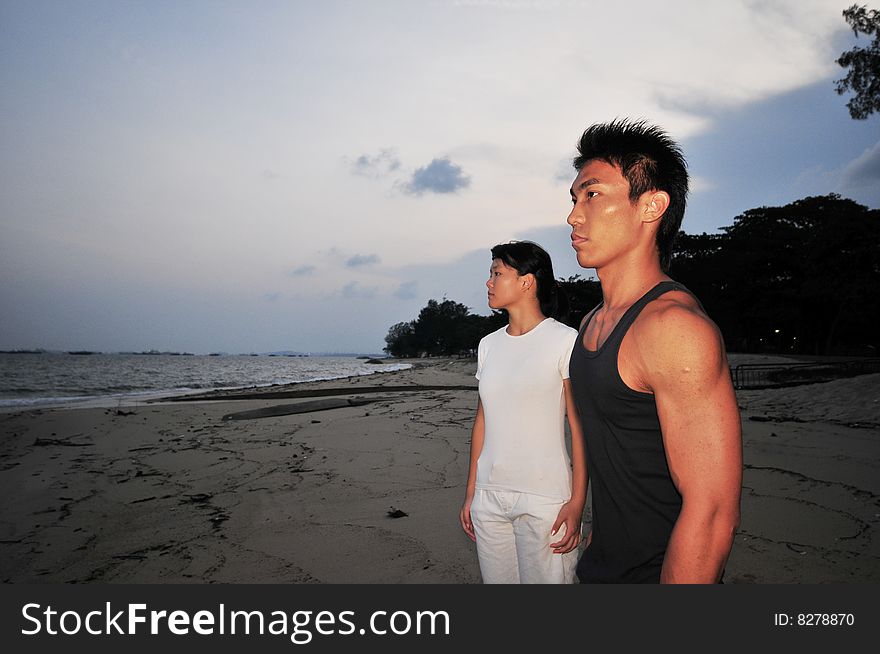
x=802 y=278
x=798 y=279
x=448 y=328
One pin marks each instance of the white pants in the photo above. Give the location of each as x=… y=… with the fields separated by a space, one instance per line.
x=513 y=539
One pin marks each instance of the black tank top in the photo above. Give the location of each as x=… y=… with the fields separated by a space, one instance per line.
x=635 y=503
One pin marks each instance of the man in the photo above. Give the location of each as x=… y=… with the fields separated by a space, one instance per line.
x=649 y=374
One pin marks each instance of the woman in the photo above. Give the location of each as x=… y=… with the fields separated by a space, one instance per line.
x=524 y=499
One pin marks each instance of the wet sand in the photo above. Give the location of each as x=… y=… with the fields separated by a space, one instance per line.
x=360 y=481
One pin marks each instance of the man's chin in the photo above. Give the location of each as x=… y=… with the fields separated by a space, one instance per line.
x=584 y=260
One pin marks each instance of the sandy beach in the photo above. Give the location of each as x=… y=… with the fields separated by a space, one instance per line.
x=364 y=485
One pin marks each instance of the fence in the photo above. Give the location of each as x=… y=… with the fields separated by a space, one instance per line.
x=766 y=375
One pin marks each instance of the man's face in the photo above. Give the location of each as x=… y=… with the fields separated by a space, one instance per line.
x=604 y=223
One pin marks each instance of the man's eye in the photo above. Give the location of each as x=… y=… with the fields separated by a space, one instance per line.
x=592 y=194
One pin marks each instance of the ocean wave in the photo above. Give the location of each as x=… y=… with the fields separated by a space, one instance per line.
x=119 y=379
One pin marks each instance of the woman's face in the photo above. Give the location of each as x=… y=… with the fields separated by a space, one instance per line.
x=504 y=284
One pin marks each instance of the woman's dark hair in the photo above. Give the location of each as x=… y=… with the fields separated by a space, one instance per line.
x=530 y=258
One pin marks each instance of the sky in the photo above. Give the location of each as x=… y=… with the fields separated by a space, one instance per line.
x=209 y=176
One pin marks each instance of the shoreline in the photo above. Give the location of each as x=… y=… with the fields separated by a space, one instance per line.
x=170 y=492
x=297 y=388
x=136 y=398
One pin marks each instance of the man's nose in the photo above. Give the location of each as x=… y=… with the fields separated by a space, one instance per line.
x=574 y=217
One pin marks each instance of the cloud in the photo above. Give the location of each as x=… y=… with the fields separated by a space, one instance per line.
x=439 y=176
x=565 y=172
x=407 y=291
x=699 y=184
x=502 y=93
x=864 y=171
x=301 y=271
x=272 y=297
x=520 y=4
x=376 y=166
x=353 y=290
x=359 y=260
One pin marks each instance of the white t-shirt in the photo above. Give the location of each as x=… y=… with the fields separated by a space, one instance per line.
x=524 y=410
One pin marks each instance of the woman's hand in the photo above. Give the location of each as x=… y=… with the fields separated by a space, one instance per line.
x=465 y=517
x=570 y=515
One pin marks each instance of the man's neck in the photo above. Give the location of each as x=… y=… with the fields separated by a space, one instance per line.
x=624 y=282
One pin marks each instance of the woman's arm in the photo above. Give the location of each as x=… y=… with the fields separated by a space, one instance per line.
x=477 y=434
x=571 y=513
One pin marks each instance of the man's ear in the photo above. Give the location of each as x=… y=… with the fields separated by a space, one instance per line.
x=655 y=203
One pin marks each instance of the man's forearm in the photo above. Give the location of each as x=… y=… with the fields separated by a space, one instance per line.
x=699 y=546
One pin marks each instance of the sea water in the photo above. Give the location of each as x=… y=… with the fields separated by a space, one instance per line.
x=43 y=379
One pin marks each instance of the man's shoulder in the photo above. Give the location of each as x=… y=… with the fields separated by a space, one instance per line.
x=675 y=326
x=677 y=309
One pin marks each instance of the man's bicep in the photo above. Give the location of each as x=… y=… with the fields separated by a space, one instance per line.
x=701 y=435
x=699 y=419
